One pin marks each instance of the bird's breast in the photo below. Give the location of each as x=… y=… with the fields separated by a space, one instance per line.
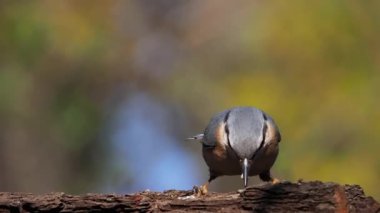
x=223 y=161
x=265 y=158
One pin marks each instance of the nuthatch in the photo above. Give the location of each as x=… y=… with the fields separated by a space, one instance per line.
x=241 y=140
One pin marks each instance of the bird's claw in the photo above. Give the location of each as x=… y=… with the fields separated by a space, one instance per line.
x=275 y=181
x=200 y=190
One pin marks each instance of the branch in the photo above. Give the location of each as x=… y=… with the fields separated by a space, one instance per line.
x=283 y=197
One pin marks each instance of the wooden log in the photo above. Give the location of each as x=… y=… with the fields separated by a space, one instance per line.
x=283 y=197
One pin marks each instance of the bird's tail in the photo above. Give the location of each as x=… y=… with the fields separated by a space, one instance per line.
x=245 y=171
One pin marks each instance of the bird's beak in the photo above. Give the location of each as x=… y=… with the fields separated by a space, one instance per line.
x=198 y=137
x=245 y=169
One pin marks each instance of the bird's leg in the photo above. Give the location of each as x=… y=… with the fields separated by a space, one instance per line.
x=267 y=177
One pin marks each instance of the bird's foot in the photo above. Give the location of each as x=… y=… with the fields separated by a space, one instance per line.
x=200 y=190
x=275 y=181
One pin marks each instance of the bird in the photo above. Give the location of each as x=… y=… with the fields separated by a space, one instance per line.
x=239 y=141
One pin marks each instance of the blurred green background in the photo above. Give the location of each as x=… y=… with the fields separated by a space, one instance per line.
x=95 y=96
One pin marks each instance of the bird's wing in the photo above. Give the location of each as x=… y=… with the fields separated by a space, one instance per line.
x=273 y=133
x=215 y=131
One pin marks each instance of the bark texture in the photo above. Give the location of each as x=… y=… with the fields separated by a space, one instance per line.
x=283 y=197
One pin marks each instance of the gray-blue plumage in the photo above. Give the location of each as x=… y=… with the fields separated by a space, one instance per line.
x=246 y=130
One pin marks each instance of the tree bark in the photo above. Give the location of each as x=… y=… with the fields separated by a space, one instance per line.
x=282 y=197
